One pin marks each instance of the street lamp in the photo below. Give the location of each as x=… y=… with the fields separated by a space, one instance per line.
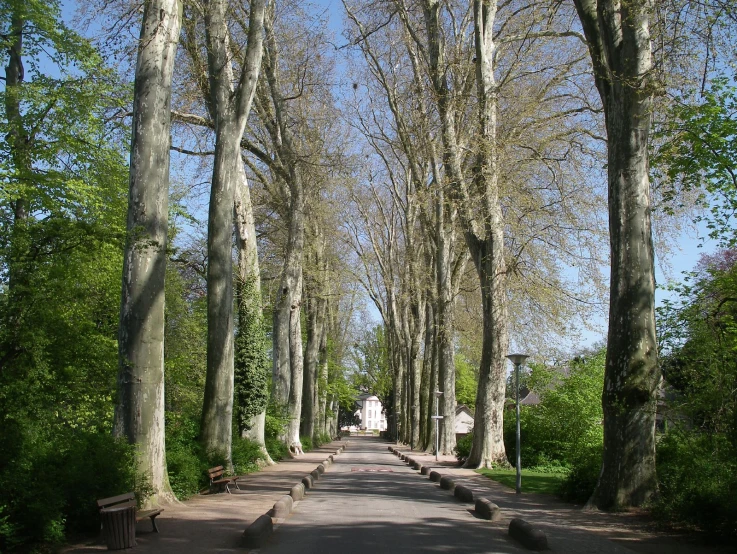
x=517 y=360
x=437 y=419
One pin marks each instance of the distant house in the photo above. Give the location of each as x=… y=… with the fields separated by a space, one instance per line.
x=371 y=413
x=464 y=420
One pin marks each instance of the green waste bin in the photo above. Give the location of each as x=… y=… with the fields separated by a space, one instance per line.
x=119 y=527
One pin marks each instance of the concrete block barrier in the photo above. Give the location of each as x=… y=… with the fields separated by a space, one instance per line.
x=297 y=492
x=424 y=470
x=486 y=509
x=315 y=475
x=308 y=482
x=326 y=462
x=320 y=468
x=527 y=535
x=463 y=493
x=282 y=507
x=416 y=465
x=435 y=476
x=447 y=483
x=256 y=534
x=390 y=449
x=331 y=458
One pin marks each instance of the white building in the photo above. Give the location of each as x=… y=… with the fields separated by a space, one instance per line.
x=371 y=413
x=464 y=420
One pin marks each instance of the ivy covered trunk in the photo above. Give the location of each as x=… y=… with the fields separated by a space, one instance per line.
x=251 y=366
x=230 y=109
x=619 y=44
x=139 y=413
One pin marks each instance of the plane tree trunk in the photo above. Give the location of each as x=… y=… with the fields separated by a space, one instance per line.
x=139 y=413
x=619 y=44
x=230 y=109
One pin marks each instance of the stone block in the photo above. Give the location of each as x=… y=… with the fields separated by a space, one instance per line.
x=447 y=483
x=297 y=492
x=258 y=532
x=435 y=476
x=527 y=535
x=308 y=482
x=486 y=509
x=463 y=493
x=282 y=507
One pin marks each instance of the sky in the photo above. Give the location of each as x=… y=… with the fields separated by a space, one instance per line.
x=684 y=255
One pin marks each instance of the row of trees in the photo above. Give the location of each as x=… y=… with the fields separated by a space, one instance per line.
x=488 y=141
x=464 y=160
x=190 y=340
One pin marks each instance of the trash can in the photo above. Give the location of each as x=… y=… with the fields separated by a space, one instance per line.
x=119 y=527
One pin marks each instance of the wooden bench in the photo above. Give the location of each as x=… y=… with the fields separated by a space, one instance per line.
x=217 y=479
x=129 y=499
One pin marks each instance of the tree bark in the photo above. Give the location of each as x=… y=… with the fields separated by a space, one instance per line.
x=620 y=48
x=250 y=315
x=139 y=413
x=231 y=109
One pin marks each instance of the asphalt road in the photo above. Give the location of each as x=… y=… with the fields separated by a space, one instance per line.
x=369 y=502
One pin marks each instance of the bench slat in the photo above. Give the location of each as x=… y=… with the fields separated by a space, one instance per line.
x=104 y=502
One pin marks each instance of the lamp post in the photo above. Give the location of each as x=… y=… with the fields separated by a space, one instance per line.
x=517 y=360
x=437 y=419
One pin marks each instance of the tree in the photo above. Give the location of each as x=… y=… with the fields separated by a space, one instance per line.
x=139 y=414
x=619 y=43
x=697 y=155
x=230 y=109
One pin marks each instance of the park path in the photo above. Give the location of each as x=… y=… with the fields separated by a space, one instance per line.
x=215 y=522
x=369 y=501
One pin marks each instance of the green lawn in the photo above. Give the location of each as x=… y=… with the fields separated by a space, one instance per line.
x=532 y=481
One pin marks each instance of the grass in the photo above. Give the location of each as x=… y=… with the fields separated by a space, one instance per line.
x=532 y=481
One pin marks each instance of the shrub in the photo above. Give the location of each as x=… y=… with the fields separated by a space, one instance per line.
x=463 y=447
x=51 y=489
x=307 y=444
x=697 y=476
x=579 y=484
x=247 y=456
x=276 y=448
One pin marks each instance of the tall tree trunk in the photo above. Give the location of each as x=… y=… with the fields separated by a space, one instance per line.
x=315 y=319
x=231 y=109
x=251 y=356
x=488 y=256
x=287 y=335
x=445 y=327
x=426 y=390
x=139 y=413
x=619 y=44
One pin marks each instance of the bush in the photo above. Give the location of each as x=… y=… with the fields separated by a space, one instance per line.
x=579 y=484
x=307 y=444
x=697 y=475
x=247 y=456
x=463 y=447
x=52 y=488
x=274 y=429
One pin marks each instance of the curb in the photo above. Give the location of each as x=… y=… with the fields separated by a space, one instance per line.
x=447 y=483
x=486 y=509
x=282 y=507
x=297 y=492
x=531 y=538
x=462 y=493
x=257 y=533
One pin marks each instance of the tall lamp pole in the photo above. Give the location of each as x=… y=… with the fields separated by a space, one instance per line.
x=517 y=360
x=437 y=419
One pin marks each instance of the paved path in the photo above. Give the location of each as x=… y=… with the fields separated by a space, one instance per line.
x=370 y=501
x=215 y=523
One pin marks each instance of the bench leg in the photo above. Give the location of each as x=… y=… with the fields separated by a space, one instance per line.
x=153 y=522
